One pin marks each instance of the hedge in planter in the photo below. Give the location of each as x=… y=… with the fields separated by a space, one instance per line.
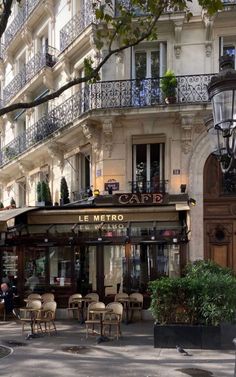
x=205 y=296
x=64 y=191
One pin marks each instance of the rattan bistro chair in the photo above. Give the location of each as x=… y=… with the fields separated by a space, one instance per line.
x=113 y=319
x=93 y=319
x=136 y=304
x=47 y=317
x=47 y=297
x=28 y=317
x=73 y=305
x=34 y=296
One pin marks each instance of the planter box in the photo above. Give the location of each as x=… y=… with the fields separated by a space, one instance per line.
x=190 y=336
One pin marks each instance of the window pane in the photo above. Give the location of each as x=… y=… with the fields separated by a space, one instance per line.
x=155 y=64
x=35 y=271
x=149 y=262
x=10 y=267
x=60 y=266
x=113 y=269
x=140 y=65
x=141 y=162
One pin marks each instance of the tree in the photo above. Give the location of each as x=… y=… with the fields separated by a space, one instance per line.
x=112 y=34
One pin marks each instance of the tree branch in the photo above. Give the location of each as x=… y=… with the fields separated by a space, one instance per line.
x=94 y=73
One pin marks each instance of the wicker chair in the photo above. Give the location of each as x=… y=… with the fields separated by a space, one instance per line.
x=114 y=318
x=136 y=304
x=93 y=318
x=47 y=297
x=47 y=317
x=29 y=314
x=73 y=305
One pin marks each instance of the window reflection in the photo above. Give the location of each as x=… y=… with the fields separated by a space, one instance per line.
x=60 y=266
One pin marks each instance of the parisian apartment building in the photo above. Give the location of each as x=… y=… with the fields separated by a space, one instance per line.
x=146 y=196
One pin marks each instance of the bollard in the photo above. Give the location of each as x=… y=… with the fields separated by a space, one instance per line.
x=234 y=342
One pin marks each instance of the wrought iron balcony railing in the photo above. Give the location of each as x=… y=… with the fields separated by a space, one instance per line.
x=106 y=95
x=76 y=25
x=2 y=51
x=40 y=60
x=19 y=20
x=143 y=186
x=33 y=135
x=127 y=4
x=229 y=2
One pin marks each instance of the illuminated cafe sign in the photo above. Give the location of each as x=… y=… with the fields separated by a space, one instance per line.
x=142 y=199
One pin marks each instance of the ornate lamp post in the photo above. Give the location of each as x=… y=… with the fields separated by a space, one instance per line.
x=222 y=128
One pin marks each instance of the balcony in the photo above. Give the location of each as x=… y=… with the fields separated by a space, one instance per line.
x=19 y=20
x=76 y=26
x=143 y=186
x=106 y=95
x=126 y=4
x=229 y=2
x=2 y=51
x=39 y=61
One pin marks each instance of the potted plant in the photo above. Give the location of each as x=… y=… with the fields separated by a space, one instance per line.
x=43 y=194
x=64 y=192
x=12 y=203
x=168 y=86
x=192 y=309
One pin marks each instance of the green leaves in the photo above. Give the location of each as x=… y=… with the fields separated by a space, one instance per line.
x=205 y=295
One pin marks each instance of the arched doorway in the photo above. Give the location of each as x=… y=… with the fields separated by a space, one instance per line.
x=219 y=198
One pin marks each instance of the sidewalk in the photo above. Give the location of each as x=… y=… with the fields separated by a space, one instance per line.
x=133 y=355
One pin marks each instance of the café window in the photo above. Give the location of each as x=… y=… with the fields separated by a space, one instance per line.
x=147 y=262
x=60 y=266
x=148 y=167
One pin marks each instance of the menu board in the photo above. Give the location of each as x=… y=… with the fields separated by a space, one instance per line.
x=9 y=264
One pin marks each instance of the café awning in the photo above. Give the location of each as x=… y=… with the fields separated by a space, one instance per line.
x=11 y=214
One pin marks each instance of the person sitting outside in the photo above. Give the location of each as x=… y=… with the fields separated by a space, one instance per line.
x=6 y=294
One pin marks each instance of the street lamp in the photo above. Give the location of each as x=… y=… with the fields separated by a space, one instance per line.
x=222 y=93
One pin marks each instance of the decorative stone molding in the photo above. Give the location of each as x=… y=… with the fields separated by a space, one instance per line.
x=66 y=68
x=92 y=135
x=187 y=120
x=5 y=178
x=9 y=58
x=208 y=21
x=208 y=49
x=120 y=57
x=2 y=127
x=25 y=167
x=178 y=27
x=49 y=8
x=1 y=69
x=48 y=79
x=69 y=4
x=56 y=152
x=107 y=134
x=27 y=37
x=9 y=118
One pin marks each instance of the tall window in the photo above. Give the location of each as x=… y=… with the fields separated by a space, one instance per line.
x=228 y=46
x=148 y=167
x=149 y=65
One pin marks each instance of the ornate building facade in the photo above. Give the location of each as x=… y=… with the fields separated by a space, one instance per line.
x=118 y=137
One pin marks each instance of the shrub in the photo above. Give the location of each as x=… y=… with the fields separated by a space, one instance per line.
x=64 y=191
x=205 y=295
x=43 y=193
x=168 y=84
